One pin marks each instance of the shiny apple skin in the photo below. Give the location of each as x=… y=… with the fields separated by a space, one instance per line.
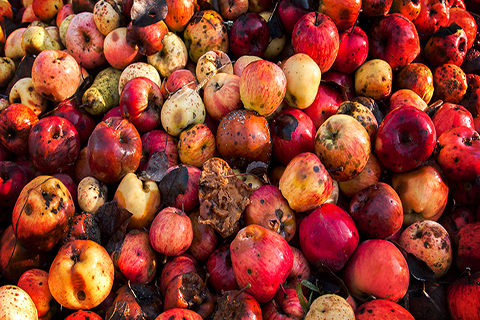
x=16 y=121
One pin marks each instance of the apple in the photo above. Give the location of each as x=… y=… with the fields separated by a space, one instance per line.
x=417 y=77
x=463 y=296
x=433 y=15
x=259 y=5
x=342 y=144
x=118 y=53
x=449 y=48
x=53 y=145
x=254 y=244
x=175 y=266
x=326 y=102
x=16 y=303
x=406 y=97
x=344 y=13
x=16 y=122
x=46 y=218
x=451 y=115
x=231 y=10
x=114 y=149
x=81 y=275
x=83 y=315
x=84 y=41
x=466 y=21
x=83 y=226
x=362 y=113
x=108 y=16
x=468 y=245
x=377 y=211
x=171 y=232
x=454 y=220
x=172 y=56
x=471 y=99
x=24 y=92
x=188 y=198
x=147 y=38
x=179 y=14
x=243 y=61
x=158 y=141
x=289 y=12
x=13 y=45
x=92 y=194
x=63 y=12
x=305 y=182
x=316 y=35
x=391 y=277
x=249 y=34
x=196 y=145
x=373 y=79
x=405 y=139
x=205 y=238
x=56 y=75
x=12 y=180
x=221 y=94
x=375 y=8
x=370 y=175
x=380 y=308
x=179 y=313
x=328 y=236
x=352 y=51
x=450 y=83
x=177 y=79
x=263 y=86
x=330 y=306
x=219 y=267
x=455 y=151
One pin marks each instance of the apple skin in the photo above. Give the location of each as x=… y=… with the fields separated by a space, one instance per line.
x=405 y=139
x=417 y=77
x=219 y=267
x=196 y=145
x=455 y=220
x=53 y=145
x=468 y=247
x=457 y=151
x=316 y=35
x=252 y=245
x=391 y=279
x=81 y=275
x=183 y=263
x=433 y=15
x=16 y=303
x=65 y=71
x=377 y=211
x=352 y=51
x=450 y=83
x=373 y=79
x=451 y=115
x=344 y=13
x=292 y=132
x=46 y=218
x=394 y=39
x=179 y=14
x=221 y=95
x=370 y=175
x=249 y=34
x=402 y=97
x=328 y=236
x=12 y=180
x=326 y=103
x=117 y=51
x=205 y=238
x=379 y=308
x=451 y=48
x=290 y=11
x=148 y=39
x=188 y=200
x=466 y=21
x=179 y=314
x=83 y=315
x=114 y=149
x=330 y=306
x=463 y=297
x=158 y=141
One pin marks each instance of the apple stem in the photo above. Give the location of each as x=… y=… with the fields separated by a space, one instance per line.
x=469 y=274
x=335 y=169
x=165 y=260
x=248 y=286
x=431 y=109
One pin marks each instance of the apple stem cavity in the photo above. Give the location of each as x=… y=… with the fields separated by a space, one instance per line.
x=248 y=286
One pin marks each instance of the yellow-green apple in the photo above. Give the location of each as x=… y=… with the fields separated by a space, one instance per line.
x=305 y=182
x=373 y=79
x=406 y=97
x=429 y=241
x=63 y=27
x=395 y=40
x=179 y=14
x=171 y=57
x=7 y=71
x=417 y=77
x=84 y=41
x=12 y=180
x=196 y=145
x=405 y=139
x=55 y=75
x=409 y=8
x=219 y=267
x=205 y=238
x=171 y=232
x=92 y=194
x=463 y=297
x=292 y=132
x=221 y=94
x=263 y=86
x=328 y=236
x=204 y=32
x=433 y=15
x=468 y=247
x=141 y=102
x=136 y=258
x=158 y=141
x=243 y=136
x=303 y=79
x=16 y=122
x=24 y=92
x=372 y=309
x=37 y=39
x=369 y=175
x=270 y=209
x=352 y=51
x=416 y=187
x=457 y=151
x=262 y=258
x=451 y=115
x=42 y=212
x=249 y=34
x=449 y=83
x=108 y=16
x=35 y=283
x=147 y=38
x=316 y=35
x=330 y=306
x=141 y=198
x=362 y=114
x=377 y=211
x=326 y=102
x=16 y=303
x=466 y=21
x=342 y=144
x=392 y=276
x=344 y=13
x=243 y=61
x=53 y=145
x=187 y=198
x=118 y=53
x=450 y=46
x=114 y=149
x=81 y=275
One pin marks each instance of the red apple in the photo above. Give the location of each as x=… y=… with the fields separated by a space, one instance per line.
x=12 y=180
x=221 y=95
x=175 y=266
x=231 y=10
x=376 y=8
x=417 y=77
x=391 y=277
x=83 y=315
x=16 y=122
x=468 y=250
x=451 y=115
x=454 y=220
x=158 y=141
x=328 y=236
x=290 y=11
x=450 y=46
x=249 y=34
x=219 y=267
x=316 y=34
x=378 y=308
x=466 y=21
x=433 y=14
x=406 y=97
x=344 y=13
x=179 y=14
x=463 y=297
x=205 y=238
x=352 y=51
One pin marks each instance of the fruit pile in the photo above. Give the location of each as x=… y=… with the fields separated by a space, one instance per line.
x=240 y=159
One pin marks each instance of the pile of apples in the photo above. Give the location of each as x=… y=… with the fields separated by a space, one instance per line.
x=240 y=159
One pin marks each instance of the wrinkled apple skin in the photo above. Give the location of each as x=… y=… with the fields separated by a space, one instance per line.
x=328 y=235
x=262 y=258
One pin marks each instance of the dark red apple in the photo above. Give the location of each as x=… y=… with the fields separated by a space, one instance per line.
x=12 y=180
x=205 y=238
x=290 y=11
x=326 y=102
x=463 y=297
x=249 y=34
x=183 y=263
x=468 y=250
x=148 y=38
x=448 y=45
x=15 y=123
x=158 y=141
x=451 y=115
x=219 y=267
x=353 y=50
